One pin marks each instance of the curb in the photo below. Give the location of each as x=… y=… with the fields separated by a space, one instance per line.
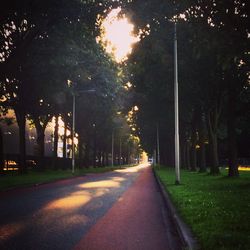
x=187 y=237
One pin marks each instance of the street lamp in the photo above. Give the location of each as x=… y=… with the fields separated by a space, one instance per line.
x=176 y=105
x=112 y=149
x=158 y=143
x=74 y=94
x=120 y=151
x=113 y=142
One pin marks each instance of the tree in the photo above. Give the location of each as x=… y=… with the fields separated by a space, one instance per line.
x=226 y=20
x=212 y=72
x=24 y=24
x=152 y=69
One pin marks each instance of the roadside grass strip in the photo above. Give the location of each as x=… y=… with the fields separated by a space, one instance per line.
x=13 y=180
x=217 y=208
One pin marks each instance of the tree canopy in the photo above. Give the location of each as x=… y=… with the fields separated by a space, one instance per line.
x=213 y=45
x=45 y=45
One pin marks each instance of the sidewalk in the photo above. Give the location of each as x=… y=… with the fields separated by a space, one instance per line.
x=138 y=220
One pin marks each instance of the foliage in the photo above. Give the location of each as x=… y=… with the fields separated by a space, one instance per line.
x=213 y=72
x=42 y=46
x=151 y=67
x=220 y=39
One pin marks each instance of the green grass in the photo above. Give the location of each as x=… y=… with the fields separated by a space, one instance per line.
x=13 y=180
x=216 y=207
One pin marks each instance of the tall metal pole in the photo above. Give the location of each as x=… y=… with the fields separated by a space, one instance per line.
x=158 y=144
x=120 y=152
x=154 y=158
x=112 y=150
x=74 y=118
x=73 y=133
x=176 y=102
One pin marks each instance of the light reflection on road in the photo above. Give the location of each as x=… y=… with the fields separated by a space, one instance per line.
x=72 y=201
x=11 y=229
x=75 y=209
x=101 y=184
x=132 y=169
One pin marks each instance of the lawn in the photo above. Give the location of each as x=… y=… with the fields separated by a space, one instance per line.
x=216 y=207
x=13 y=180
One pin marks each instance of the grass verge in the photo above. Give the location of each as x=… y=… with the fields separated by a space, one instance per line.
x=13 y=180
x=216 y=207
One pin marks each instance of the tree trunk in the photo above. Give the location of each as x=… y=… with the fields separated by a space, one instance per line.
x=193 y=158
x=1 y=152
x=213 y=145
x=87 y=155
x=106 y=159
x=202 y=140
x=212 y=120
x=99 y=158
x=183 y=155
x=40 y=141
x=21 y=121
x=232 y=137
x=40 y=144
x=95 y=150
x=80 y=150
x=128 y=155
x=40 y=133
x=65 y=141
x=202 y=157
x=202 y=165
x=188 y=155
x=55 y=148
x=193 y=151
x=103 y=159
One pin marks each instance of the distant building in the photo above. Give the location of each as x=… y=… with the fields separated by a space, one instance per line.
x=11 y=137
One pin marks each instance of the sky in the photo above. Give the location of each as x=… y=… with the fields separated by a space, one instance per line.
x=117 y=35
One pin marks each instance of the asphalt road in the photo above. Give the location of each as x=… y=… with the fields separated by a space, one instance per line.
x=116 y=210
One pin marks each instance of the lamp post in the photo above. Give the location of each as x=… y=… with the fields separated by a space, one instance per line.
x=73 y=132
x=158 y=144
x=112 y=145
x=120 y=151
x=176 y=105
x=74 y=94
x=112 y=149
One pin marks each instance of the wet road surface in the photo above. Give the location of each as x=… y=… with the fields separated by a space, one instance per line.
x=116 y=210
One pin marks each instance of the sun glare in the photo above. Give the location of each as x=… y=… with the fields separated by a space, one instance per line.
x=117 y=35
